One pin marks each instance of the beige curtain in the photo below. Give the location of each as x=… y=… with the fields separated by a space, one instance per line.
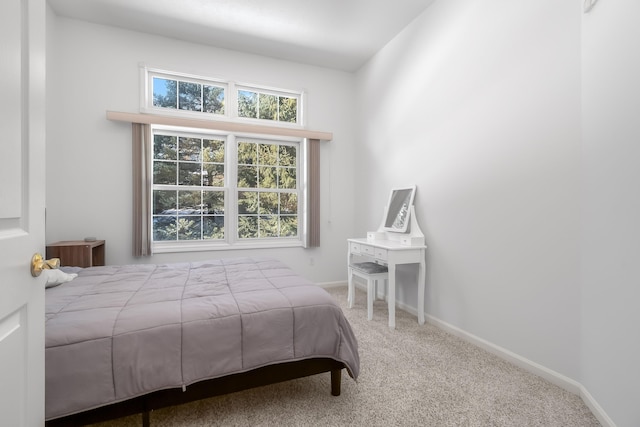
x=313 y=214
x=142 y=147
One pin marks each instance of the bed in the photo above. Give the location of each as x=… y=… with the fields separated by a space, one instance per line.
x=129 y=339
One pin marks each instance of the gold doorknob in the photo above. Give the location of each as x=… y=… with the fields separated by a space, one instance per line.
x=38 y=264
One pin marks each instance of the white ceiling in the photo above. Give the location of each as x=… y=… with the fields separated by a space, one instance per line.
x=340 y=34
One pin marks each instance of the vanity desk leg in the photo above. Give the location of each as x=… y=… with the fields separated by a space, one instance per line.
x=350 y=290
x=421 y=286
x=391 y=297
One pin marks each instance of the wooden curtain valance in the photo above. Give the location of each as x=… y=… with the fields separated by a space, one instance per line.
x=221 y=125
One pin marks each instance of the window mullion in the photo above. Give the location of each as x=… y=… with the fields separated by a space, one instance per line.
x=232 y=101
x=231 y=186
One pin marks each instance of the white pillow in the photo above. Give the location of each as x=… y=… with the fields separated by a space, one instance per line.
x=57 y=277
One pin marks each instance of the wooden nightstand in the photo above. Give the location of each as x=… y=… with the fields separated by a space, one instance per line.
x=77 y=253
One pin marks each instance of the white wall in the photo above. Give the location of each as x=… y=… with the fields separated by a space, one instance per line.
x=478 y=103
x=525 y=154
x=611 y=231
x=94 y=68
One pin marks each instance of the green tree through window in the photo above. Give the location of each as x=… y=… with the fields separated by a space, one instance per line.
x=189 y=185
x=188 y=188
x=211 y=189
x=267 y=106
x=267 y=190
x=190 y=96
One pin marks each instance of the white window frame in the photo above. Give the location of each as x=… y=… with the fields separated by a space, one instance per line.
x=231 y=99
x=300 y=192
x=299 y=96
x=146 y=94
x=231 y=240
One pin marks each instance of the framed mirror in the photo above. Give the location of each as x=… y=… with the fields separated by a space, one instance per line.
x=396 y=217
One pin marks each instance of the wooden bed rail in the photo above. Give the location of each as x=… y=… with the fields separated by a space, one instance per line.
x=204 y=389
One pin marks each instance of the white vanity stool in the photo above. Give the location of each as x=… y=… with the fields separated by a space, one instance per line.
x=371 y=272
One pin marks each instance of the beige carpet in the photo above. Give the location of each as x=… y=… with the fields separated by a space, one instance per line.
x=413 y=376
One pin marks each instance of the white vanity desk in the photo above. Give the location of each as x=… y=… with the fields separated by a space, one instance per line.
x=392 y=249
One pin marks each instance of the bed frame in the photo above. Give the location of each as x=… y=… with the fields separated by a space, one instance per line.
x=208 y=388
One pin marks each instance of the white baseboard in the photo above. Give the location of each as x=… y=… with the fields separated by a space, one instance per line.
x=332 y=285
x=553 y=377
x=595 y=408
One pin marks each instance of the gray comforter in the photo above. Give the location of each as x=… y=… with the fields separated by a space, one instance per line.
x=117 y=332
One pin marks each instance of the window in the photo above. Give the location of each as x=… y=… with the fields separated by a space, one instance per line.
x=213 y=185
x=280 y=107
x=195 y=198
x=179 y=94
x=201 y=96
x=267 y=190
x=188 y=187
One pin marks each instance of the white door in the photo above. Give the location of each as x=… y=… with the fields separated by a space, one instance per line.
x=22 y=192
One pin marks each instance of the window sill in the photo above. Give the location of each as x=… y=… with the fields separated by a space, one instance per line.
x=174 y=247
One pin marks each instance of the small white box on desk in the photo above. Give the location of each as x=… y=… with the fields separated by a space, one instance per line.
x=375 y=235
x=412 y=240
